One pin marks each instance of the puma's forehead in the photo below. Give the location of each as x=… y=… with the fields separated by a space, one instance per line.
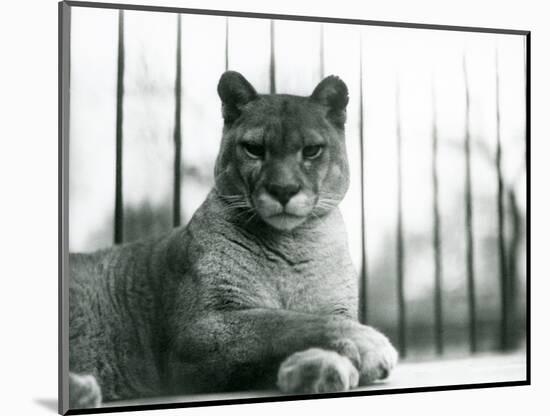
x=284 y=106
x=283 y=120
x=257 y=134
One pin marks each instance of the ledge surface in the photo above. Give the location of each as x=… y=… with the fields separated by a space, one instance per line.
x=444 y=372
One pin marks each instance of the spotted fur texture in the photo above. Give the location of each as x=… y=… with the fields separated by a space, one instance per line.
x=258 y=290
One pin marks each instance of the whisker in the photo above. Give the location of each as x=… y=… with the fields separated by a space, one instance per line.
x=237 y=204
x=253 y=214
x=231 y=196
x=321 y=219
x=247 y=210
x=325 y=205
x=230 y=208
x=336 y=201
x=329 y=195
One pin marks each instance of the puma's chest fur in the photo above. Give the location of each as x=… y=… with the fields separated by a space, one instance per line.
x=308 y=270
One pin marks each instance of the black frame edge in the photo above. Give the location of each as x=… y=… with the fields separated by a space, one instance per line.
x=167 y=9
x=63 y=151
x=528 y=201
x=64 y=22
x=303 y=397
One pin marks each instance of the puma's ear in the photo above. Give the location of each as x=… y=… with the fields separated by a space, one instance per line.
x=332 y=92
x=235 y=91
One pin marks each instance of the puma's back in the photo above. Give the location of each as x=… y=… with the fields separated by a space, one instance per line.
x=112 y=320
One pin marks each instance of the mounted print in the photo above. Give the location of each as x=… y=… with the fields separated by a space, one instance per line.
x=267 y=207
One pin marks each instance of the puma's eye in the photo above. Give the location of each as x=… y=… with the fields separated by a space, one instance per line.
x=311 y=152
x=254 y=151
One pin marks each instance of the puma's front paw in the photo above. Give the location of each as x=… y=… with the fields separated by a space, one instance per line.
x=84 y=392
x=316 y=371
x=377 y=355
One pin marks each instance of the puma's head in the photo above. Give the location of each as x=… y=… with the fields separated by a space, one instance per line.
x=282 y=157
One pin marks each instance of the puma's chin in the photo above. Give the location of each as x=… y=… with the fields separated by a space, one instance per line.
x=284 y=221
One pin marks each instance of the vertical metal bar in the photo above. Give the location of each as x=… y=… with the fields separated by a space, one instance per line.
x=438 y=309
x=400 y=247
x=119 y=232
x=321 y=51
x=363 y=277
x=176 y=209
x=272 y=85
x=512 y=269
x=469 y=218
x=226 y=43
x=503 y=269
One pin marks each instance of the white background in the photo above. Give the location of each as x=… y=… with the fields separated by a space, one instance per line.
x=28 y=213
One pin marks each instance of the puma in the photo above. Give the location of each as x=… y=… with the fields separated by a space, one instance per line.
x=257 y=291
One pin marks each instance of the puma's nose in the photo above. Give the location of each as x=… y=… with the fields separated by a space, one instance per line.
x=282 y=193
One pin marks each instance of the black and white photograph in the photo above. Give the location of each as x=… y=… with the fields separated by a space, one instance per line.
x=274 y=207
